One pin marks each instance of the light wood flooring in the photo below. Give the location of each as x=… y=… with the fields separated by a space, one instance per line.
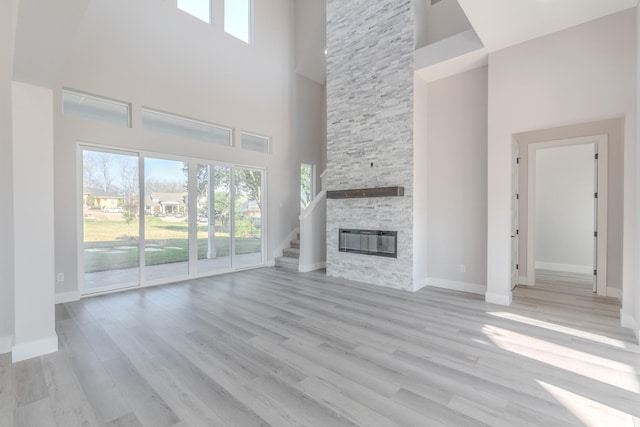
x=273 y=347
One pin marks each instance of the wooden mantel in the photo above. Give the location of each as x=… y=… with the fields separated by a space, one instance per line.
x=366 y=192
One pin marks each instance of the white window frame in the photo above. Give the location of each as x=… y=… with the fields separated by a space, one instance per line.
x=186 y=120
x=98 y=98
x=256 y=135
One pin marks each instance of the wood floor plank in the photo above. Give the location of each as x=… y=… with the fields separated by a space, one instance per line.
x=272 y=347
x=183 y=401
x=70 y=405
x=38 y=413
x=7 y=391
x=147 y=405
x=106 y=401
x=29 y=382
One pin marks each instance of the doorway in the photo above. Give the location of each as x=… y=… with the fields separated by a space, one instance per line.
x=567 y=206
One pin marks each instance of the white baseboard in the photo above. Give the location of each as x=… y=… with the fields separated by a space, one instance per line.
x=473 y=288
x=626 y=320
x=271 y=263
x=62 y=297
x=499 y=299
x=31 y=349
x=522 y=280
x=419 y=285
x=312 y=267
x=614 y=293
x=5 y=344
x=568 y=268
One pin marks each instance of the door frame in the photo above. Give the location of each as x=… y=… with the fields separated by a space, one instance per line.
x=515 y=214
x=601 y=142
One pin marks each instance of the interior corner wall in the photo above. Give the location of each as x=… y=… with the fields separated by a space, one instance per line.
x=324 y=130
x=435 y=22
x=309 y=134
x=124 y=51
x=6 y=179
x=632 y=311
x=457 y=181
x=34 y=300
x=578 y=75
x=370 y=74
x=614 y=129
x=420 y=176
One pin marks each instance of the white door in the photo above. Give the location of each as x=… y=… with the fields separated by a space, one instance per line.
x=515 y=198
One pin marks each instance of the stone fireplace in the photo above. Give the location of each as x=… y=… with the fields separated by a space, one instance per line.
x=370 y=139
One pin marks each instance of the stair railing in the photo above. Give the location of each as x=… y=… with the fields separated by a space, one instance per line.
x=313 y=232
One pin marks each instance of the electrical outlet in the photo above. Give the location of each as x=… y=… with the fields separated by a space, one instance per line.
x=463 y=268
x=60 y=277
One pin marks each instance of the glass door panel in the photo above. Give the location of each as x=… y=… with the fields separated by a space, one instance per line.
x=247 y=224
x=110 y=208
x=214 y=218
x=166 y=230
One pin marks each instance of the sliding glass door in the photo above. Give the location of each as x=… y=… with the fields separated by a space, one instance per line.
x=110 y=219
x=247 y=224
x=214 y=218
x=174 y=228
x=166 y=231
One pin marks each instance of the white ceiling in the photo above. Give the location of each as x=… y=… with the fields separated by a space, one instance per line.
x=503 y=23
x=45 y=28
x=498 y=24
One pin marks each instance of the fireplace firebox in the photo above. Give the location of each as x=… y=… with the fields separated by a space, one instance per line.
x=369 y=242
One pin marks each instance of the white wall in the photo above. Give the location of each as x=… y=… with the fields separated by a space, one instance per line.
x=313 y=235
x=6 y=178
x=310 y=39
x=630 y=312
x=309 y=137
x=439 y=21
x=151 y=54
x=420 y=190
x=33 y=221
x=457 y=181
x=564 y=208
x=578 y=75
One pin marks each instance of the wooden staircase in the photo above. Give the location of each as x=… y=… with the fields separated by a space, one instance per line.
x=290 y=258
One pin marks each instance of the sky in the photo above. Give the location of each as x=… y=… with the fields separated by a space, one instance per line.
x=236 y=15
x=164 y=170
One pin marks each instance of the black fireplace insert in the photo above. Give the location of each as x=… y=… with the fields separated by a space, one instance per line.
x=368 y=242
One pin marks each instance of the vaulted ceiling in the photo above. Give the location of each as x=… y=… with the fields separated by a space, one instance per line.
x=44 y=31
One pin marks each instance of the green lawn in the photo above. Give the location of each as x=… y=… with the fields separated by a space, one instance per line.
x=113 y=245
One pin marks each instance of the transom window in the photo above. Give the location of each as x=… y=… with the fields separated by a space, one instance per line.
x=237 y=19
x=95 y=107
x=172 y=124
x=201 y=9
x=253 y=142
